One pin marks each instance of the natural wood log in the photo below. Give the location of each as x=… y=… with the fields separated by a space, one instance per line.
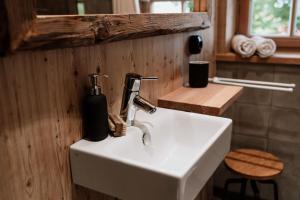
x=69 y=31
x=24 y=30
x=20 y=17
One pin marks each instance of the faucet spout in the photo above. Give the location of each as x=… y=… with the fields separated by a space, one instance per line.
x=131 y=100
x=143 y=104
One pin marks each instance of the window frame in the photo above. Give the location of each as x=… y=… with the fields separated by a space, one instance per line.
x=291 y=41
x=199 y=5
x=182 y=4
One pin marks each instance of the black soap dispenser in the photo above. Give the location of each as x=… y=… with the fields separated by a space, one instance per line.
x=95 y=116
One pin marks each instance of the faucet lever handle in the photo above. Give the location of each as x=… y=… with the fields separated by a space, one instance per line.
x=149 y=78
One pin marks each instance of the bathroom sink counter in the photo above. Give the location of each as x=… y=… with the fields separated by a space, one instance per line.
x=184 y=151
x=212 y=100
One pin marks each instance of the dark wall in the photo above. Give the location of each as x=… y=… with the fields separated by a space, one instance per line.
x=267 y=120
x=56 y=7
x=63 y=7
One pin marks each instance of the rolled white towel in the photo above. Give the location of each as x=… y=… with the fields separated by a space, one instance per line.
x=264 y=47
x=243 y=46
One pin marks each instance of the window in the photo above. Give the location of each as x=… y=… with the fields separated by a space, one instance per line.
x=278 y=19
x=80 y=8
x=270 y=17
x=172 y=6
x=297 y=30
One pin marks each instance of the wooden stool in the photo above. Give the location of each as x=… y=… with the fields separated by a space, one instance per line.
x=253 y=165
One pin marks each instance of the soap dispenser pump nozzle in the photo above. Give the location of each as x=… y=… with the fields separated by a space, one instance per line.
x=95 y=89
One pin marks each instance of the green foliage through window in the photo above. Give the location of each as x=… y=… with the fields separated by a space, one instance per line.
x=298 y=19
x=270 y=17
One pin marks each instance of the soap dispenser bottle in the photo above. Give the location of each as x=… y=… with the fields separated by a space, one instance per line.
x=95 y=116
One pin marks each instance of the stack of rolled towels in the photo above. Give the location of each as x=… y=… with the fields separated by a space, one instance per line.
x=247 y=47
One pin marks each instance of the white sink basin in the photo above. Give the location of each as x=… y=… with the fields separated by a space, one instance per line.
x=185 y=150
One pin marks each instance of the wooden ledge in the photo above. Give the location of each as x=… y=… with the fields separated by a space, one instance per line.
x=290 y=58
x=75 y=30
x=212 y=100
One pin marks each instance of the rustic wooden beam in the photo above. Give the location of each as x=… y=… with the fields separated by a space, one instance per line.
x=20 y=17
x=70 y=31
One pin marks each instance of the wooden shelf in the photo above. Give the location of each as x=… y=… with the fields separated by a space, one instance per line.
x=64 y=31
x=212 y=100
x=290 y=58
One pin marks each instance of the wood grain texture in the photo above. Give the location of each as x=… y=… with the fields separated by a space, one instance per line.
x=200 y=6
x=196 y=5
x=27 y=31
x=40 y=107
x=210 y=38
x=203 y=5
x=284 y=57
x=20 y=18
x=226 y=25
x=212 y=100
x=70 y=31
x=254 y=164
x=243 y=17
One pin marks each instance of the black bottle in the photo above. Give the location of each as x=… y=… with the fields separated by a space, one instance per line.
x=95 y=116
x=195 y=44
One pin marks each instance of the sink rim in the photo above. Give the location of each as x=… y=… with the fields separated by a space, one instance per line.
x=179 y=174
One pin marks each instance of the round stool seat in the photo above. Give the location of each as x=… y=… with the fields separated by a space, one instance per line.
x=254 y=164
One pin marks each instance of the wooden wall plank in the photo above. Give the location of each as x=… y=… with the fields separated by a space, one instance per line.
x=40 y=111
x=210 y=38
x=40 y=107
x=197 y=5
x=200 y=5
x=203 y=5
x=20 y=17
x=243 y=17
x=227 y=20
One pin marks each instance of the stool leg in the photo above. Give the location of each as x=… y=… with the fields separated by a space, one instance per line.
x=275 y=190
x=228 y=182
x=255 y=189
x=275 y=187
x=226 y=189
x=243 y=189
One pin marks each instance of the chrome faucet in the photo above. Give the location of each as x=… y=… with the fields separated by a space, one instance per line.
x=131 y=100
